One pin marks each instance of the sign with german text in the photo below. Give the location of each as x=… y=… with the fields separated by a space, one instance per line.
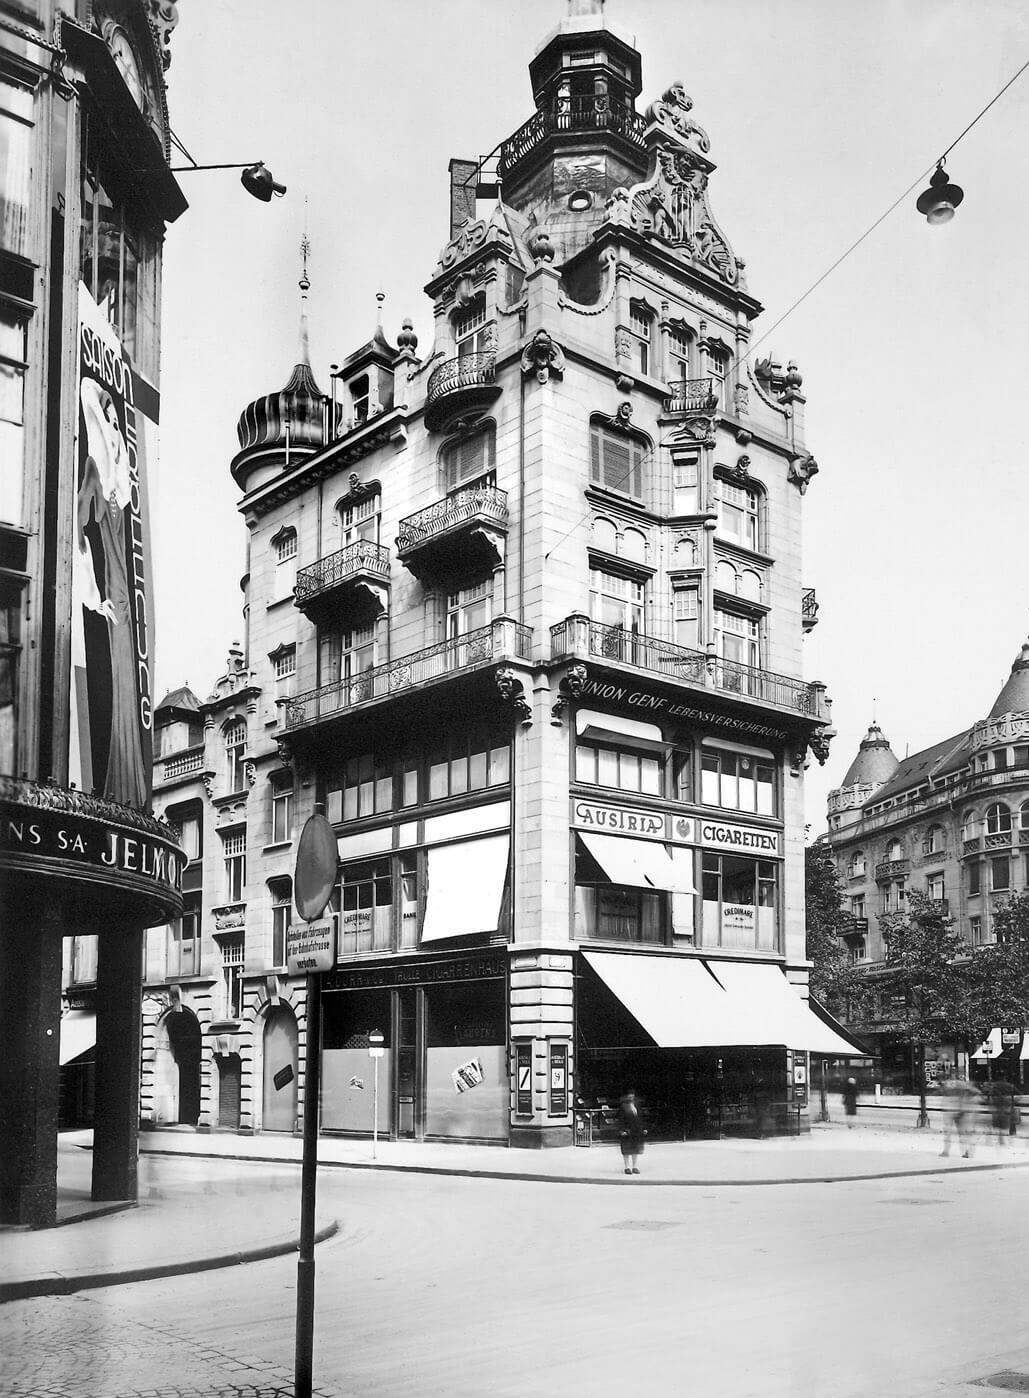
x=739 y=839
x=468 y=1075
x=310 y=947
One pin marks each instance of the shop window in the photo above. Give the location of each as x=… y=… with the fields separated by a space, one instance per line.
x=1000 y=873
x=974 y=878
x=738 y=508
x=738 y=781
x=469 y=461
x=83 y=959
x=613 y=912
x=623 y=769
x=282 y=807
x=184 y=939
x=234 y=850
x=235 y=755
x=114 y=255
x=232 y=977
x=366 y=914
x=739 y=902
x=998 y=820
x=641 y=325
x=367 y=787
x=616 y=461
x=10 y=654
x=282 y=910
x=466 y=762
x=13 y=364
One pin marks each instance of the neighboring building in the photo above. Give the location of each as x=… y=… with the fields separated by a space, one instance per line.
x=951 y=822
x=525 y=616
x=85 y=195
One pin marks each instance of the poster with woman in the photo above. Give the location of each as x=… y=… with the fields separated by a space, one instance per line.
x=111 y=719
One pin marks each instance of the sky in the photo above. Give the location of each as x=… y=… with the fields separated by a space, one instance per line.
x=821 y=113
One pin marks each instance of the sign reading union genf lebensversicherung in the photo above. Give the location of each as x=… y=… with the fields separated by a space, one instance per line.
x=310 y=946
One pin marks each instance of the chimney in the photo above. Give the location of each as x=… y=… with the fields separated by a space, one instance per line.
x=463 y=178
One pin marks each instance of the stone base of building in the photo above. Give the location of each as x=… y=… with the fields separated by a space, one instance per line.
x=539 y=1137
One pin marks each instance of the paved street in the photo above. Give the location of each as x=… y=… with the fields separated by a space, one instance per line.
x=857 y=1289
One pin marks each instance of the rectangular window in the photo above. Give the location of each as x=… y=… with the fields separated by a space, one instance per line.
x=407 y=874
x=13 y=350
x=15 y=166
x=616 y=461
x=679 y=352
x=234 y=850
x=975 y=931
x=625 y=769
x=718 y=368
x=739 y=902
x=1000 y=873
x=737 y=781
x=189 y=836
x=686 y=486
x=686 y=616
x=184 y=940
x=83 y=960
x=468 y=609
x=10 y=652
x=934 y=887
x=232 y=976
x=974 y=878
x=469 y=326
x=639 y=324
x=235 y=757
x=286 y=663
x=617 y=600
x=737 y=510
x=468 y=762
x=469 y=461
x=366 y=915
x=282 y=810
x=360 y=521
x=857 y=906
x=282 y=908
x=738 y=640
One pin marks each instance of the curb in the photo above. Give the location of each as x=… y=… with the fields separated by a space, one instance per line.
x=616 y=1181
x=57 y=1284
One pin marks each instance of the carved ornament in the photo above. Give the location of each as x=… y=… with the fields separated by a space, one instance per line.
x=163 y=16
x=571 y=687
x=470 y=236
x=542 y=356
x=802 y=468
x=672 y=115
x=512 y=692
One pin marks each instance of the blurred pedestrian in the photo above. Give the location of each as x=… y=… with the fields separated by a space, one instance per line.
x=1002 y=1109
x=850 y=1096
x=631 y=1133
x=959 y=1100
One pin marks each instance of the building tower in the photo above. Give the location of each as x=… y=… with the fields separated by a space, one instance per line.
x=85 y=195
x=546 y=625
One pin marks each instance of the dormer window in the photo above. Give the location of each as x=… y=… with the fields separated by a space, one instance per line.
x=360 y=400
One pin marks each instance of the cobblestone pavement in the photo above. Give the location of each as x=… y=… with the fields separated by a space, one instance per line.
x=67 y=1347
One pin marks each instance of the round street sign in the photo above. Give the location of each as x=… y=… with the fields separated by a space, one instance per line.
x=317 y=862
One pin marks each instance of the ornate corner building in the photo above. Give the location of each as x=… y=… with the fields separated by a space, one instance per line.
x=950 y=822
x=86 y=193
x=525 y=615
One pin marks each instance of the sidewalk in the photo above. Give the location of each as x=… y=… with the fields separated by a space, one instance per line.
x=196 y=1213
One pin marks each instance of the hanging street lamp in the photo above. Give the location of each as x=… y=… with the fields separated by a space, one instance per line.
x=939 y=201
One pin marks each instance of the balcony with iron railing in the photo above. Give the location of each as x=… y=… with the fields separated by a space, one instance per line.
x=595 y=112
x=579 y=638
x=851 y=926
x=690 y=396
x=460 y=532
x=892 y=868
x=808 y=609
x=460 y=384
x=504 y=639
x=342 y=580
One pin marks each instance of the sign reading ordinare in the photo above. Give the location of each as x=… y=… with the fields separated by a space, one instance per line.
x=310 y=947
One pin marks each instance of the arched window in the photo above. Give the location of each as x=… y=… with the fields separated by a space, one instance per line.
x=856 y=865
x=894 y=850
x=469 y=460
x=1023 y=816
x=235 y=752
x=998 y=820
x=969 y=826
x=934 y=840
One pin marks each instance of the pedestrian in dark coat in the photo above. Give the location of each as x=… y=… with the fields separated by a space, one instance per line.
x=850 y=1096
x=631 y=1133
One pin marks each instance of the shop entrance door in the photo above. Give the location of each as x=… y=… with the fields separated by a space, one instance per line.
x=280 y=1071
x=230 y=1081
x=184 y=1040
x=407 y=1062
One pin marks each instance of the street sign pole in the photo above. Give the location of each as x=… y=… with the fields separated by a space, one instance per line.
x=311 y=949
x=376 y=1039
x=308 y=1186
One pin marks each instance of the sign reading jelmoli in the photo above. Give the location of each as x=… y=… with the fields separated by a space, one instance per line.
x=43 y=834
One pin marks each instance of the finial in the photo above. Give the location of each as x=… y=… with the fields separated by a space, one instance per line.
x=380 y=296
x=873 y=710
x=585 y=7
x=304 y=350
x=305 y=253
x=407 y=339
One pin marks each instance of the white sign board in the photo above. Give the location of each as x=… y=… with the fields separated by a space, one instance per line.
x=310 y=947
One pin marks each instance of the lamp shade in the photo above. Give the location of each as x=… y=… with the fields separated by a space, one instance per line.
x=939 y=201
x=257 y=180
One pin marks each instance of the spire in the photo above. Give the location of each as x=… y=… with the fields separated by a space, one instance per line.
x=304 y=352
x=1014 y=697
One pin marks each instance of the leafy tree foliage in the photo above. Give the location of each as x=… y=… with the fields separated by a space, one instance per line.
x=831 y=972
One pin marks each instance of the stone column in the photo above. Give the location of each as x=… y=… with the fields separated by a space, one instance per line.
x=119 y=983
x=30 y=1012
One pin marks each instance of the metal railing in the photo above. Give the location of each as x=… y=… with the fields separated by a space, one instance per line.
x=592 y=113
x=890 y=868
x=362 y=557
x=808 y=608
x=485 y=503
x=467 y=371
x=486 y=645
x=578 y=636
x=690 y=396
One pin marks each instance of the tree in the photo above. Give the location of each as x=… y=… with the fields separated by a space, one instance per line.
x=831 y=972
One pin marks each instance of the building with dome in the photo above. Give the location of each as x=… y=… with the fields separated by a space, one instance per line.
x=86 y=195
x=950 y=821
x=524 y=615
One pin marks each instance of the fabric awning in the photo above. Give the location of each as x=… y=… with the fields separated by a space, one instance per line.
x=465 y=887
x=78 y=1034
x=991 y=1047
x=689 y=1002
x=638 y=863
x=773 y=1011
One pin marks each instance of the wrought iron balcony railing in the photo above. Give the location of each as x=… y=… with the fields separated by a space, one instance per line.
x=808 y=609
x=362 y=559
x=854 y=926
x=690 y=396
x=487 y=645
x=593 y=113
x=891 y=868
x=467 y=371
x=578 y=636
x=483 y=504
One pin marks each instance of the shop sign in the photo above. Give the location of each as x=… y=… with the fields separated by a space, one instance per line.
x=635 y=821
x=462 y=968
x=558 y=1079
x=1010 y=1037
x=310 y=947
x=742 y=839
x=523 y=1069
x=87 y=841
x=357 y=920
x=739 y=917
x=640 y=701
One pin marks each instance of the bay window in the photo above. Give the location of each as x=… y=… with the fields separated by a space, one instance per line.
x=739 y=902
x=738 y=509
